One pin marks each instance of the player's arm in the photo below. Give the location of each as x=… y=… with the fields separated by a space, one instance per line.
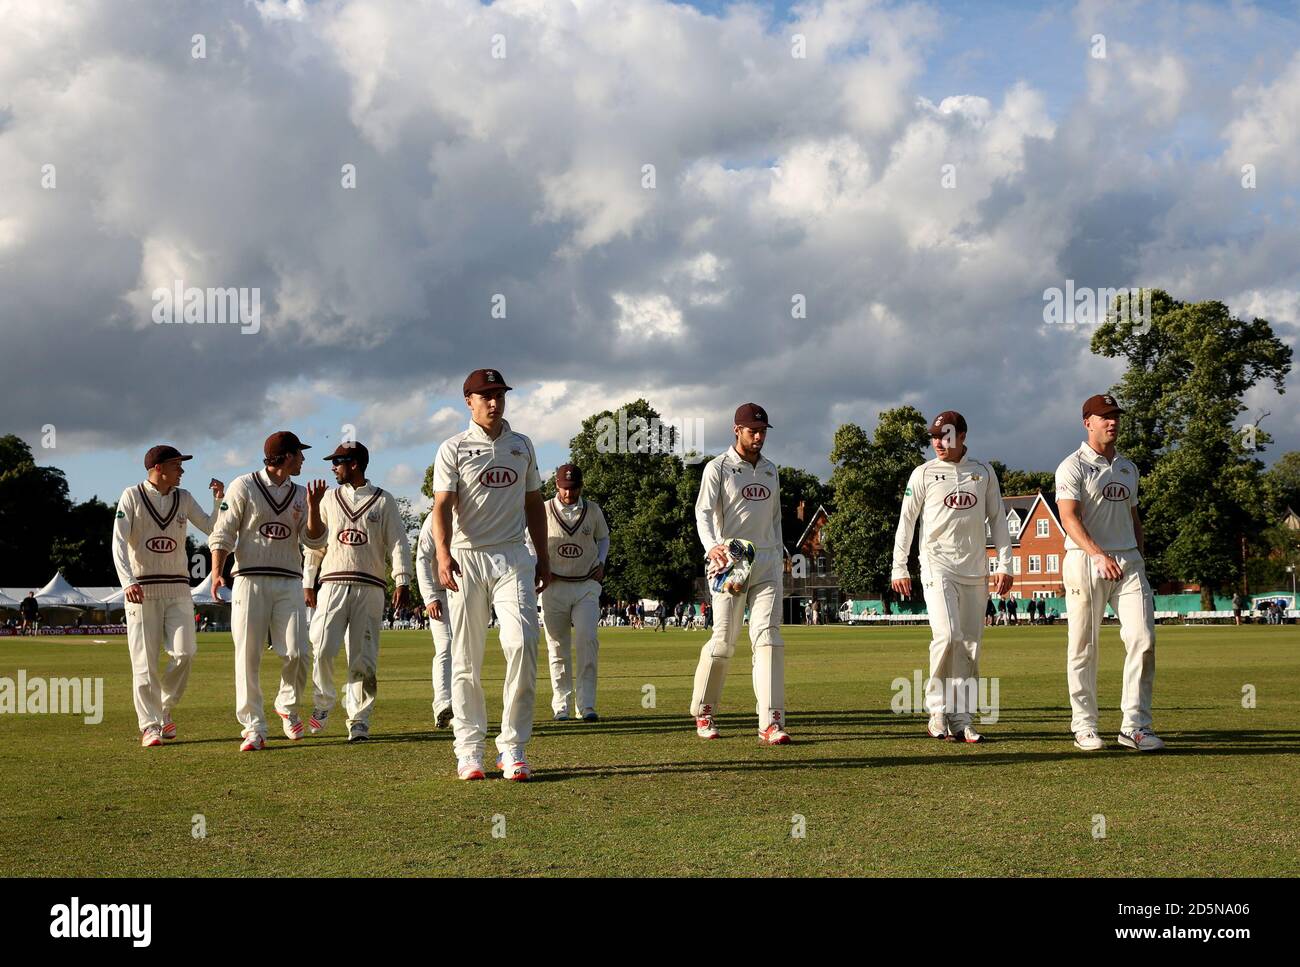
x=601 y=533
x=201 y=518
x=426 y=557
x=224 y=535
x=535 y=512
x=996 y=515
x=399 y=550
x=121 y=543
x=446 y=490
x=705 y=504
x=1137 y=530
x=913 y=500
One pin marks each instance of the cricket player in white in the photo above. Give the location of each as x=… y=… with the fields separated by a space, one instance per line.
x=435 y=606
x=263 y=520
x=578 y=543
x=740 y=499
x=953 y=497
x=1097 y=493
x=360 y=524
x=149 y=554
x=486 y=491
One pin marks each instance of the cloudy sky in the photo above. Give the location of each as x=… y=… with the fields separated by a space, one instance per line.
x=501 y=150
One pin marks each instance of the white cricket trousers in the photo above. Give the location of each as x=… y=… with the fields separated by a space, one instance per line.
x=501 y=576
x=762 y=596
x=956 y=613
x=347 y=614
x=261 y=605
x=1086 y=597
x=152 y=626
x=570 y=613
x=441 y=631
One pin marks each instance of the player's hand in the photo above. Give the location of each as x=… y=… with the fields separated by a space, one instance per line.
x=309 y=597
x=218 y=582
x=598 y=574
x=315 y=492
x=447 y=571
x=401 y=596
x=434 y=610
x=134 y=594
x=1002 y=583
x=217 y=487
x=718 y=555
x=1107 y=567
x=902 y=586
x=542 y=576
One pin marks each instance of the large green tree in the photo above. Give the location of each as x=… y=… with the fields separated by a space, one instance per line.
x=868 y=481
x=648 y=495
x=799 y=487
x=1190 y=366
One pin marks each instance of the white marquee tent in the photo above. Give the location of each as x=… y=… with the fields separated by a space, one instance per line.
x=59 y=593
x=202 y=593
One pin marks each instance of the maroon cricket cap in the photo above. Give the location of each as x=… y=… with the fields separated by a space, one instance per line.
x=751 y=415
x=568 y=476
x=282 y=442
x=1103 y=404
x=352 y=451
x=948 y=418
x=162 y=453
x=483 y=380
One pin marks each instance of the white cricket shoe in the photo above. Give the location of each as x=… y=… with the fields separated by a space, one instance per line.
x=168 y=726
x=1088 y=740
x=704 y=725
x=253 y=743
x=514 y=766
x=1144 y=740
x=151 y=736
x=468 y=767
x=292 y=725
x=317 y=721
x=937 y=728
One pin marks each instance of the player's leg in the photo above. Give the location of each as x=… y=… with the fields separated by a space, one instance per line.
x=178 y=634
x=470 y=611
x=585 y=614
x=1085 y=603
x=767 y=651
x=715 y=658
x=144 y=634
x=1134 y=607
x=557 y=621
x=328 y=627
x=945 y=638
x=292 y=644
x=249 y=619
x=365 y=615
x=515 y=596
x=440 y=629
x=971 y=599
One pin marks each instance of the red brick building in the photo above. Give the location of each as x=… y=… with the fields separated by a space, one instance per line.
x=1037 y=546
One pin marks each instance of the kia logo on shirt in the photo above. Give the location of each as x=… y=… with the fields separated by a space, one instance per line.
x=756 y=491
x=352 y=537
x=1115 y=491
x=160 y=545
x=274 y=530
x=569 y=550
x=960 y=500
x=497 y=477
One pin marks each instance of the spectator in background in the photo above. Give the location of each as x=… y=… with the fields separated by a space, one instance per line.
x=31 y=615
x=990 y=613
x=1237 y=603
x=707 y=610
x=661 y=613
x=1012 y=609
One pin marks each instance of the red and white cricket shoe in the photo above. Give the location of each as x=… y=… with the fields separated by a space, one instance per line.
x=514 y=766
x=704 y=725
x=292 y=725
x=253 y=743
x=168 y=726
x=470 y=768
x=151 y=736
x=774 y=735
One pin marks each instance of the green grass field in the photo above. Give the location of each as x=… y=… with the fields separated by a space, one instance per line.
x=638 y=794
